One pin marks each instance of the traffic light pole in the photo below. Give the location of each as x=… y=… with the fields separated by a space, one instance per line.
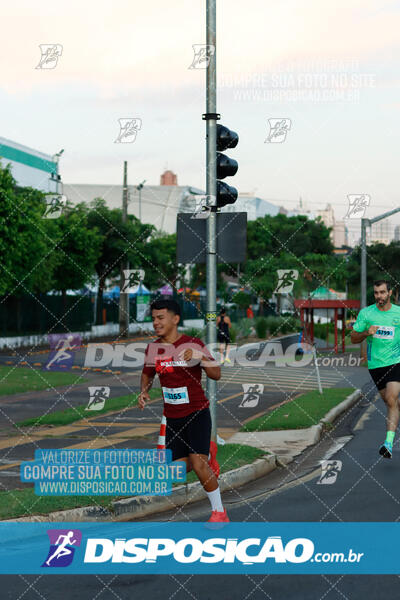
x=211 y=191
x=124 y=298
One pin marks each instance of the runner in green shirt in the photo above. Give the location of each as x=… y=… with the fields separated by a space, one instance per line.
x=379 y=324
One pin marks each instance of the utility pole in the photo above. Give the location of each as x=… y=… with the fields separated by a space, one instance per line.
x=211 y=191
x=124 y=297
x=364 y=224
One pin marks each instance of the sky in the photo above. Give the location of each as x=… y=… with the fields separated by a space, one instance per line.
x=330 y=69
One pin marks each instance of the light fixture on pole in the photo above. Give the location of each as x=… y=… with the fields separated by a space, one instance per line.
x=56 y=158
x=139 y=189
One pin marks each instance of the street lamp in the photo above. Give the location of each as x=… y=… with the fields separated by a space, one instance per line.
x=364 y=224
x=56 y=158
x=139 y=189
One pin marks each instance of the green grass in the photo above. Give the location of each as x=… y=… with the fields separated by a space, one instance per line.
x=304 y=411
x=72 y=414
x=232 y=456
x=16 y=380
x=24 y=502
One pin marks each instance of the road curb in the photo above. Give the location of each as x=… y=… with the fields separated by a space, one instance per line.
x=141 y=506
x=344 y=405
x=315 y=432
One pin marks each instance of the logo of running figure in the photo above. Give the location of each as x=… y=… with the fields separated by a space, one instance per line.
x=63 y=543
x=54 y=206
x=251 y=394
x=128 y=129
x=97 y=397
x=62 y=351
x=357 y=205
x=50 y=55
x=286 y=279
x=203 y=207
x=330 y=471
x=278 y=129
x=132 y=278
x=202 y=56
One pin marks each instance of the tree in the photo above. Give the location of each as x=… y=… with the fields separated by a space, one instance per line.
x=77 y=248
x=26 y=239
x=119 y=241
x=160 y=260
x=242 y=299
x=383 y=262
x=295 y=235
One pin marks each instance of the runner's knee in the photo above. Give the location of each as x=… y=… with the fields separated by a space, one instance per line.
x=198 y=462
x=391 y=399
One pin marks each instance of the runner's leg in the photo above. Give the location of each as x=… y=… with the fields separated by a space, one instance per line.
x=390 y=395
x=186 y=460
x=392 y=402
x=204 y=472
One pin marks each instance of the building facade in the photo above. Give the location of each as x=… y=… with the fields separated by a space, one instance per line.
x=381 y=232
x=31 y=168
x=159 y=205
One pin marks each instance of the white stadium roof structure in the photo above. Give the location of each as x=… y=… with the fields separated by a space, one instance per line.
x=161 y=203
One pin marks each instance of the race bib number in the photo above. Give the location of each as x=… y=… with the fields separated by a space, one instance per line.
x=384 y=333
x=176 y=395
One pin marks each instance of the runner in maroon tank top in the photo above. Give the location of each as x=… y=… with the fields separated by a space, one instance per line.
x=178 y=360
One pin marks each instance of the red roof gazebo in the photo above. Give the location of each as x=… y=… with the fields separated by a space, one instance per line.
x=306 y=307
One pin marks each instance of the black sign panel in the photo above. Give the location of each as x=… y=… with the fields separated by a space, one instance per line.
x=231 y=238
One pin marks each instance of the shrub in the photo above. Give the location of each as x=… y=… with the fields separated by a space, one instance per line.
x=272 y=325
x=233 y=333
x=194 y=332
x=261 y=327
x=245 y=327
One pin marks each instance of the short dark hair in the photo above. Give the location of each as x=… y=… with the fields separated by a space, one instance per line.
x=168 y=303
x=381 y=282
x=222 y=311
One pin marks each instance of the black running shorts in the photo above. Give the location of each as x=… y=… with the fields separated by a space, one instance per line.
x=189 y=435
x=223 y=337
x=382 y=375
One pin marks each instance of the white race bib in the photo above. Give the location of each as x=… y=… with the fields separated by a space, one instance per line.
x=176 y=395
x=384 y=333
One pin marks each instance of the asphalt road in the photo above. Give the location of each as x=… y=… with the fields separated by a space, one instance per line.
x=132 y=428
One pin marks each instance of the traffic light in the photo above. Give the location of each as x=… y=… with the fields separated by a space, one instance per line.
x=226 y=167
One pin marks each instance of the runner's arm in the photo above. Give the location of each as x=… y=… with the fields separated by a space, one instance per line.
x=210 y=366
x=213 y=372
x=207 y=361
x=359 y=336
x=146 y=381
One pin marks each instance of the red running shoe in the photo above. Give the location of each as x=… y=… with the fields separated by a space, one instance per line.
x=212 y=459
x=218 y=517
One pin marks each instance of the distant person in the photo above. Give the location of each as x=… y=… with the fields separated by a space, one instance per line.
x=223 y=336
x=249 y=313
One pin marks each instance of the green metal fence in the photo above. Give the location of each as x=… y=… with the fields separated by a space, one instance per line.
x=39 y=314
